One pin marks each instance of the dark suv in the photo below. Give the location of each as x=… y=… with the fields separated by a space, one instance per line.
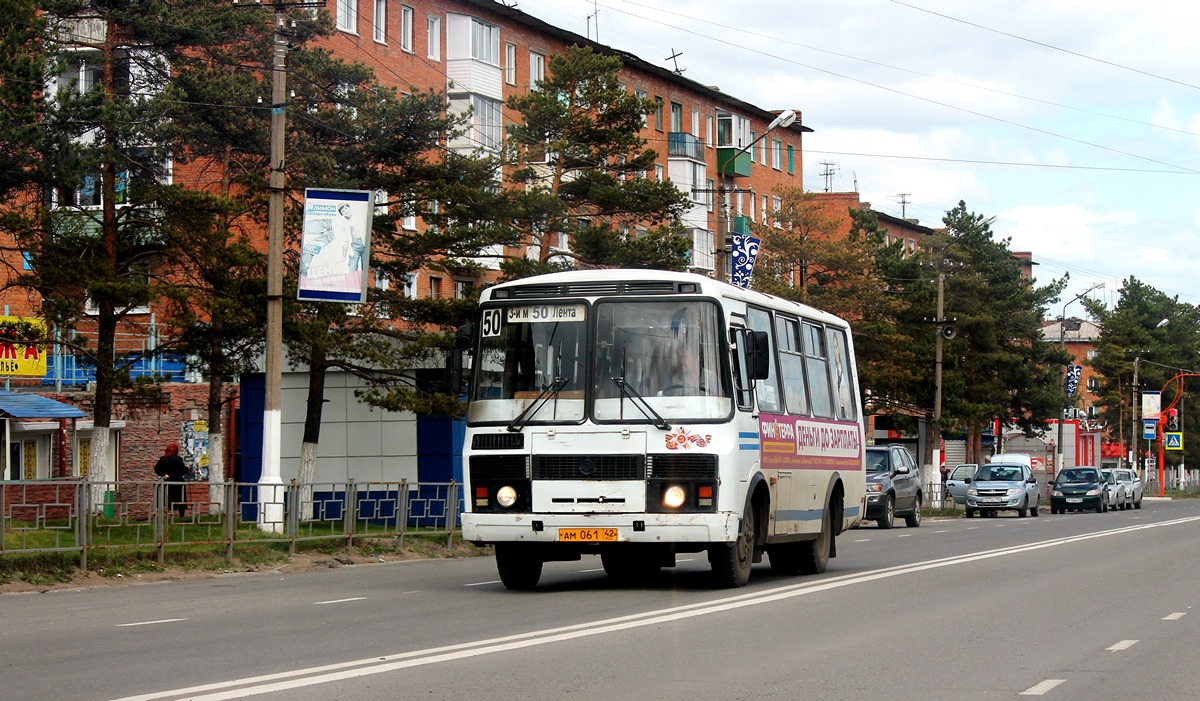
x=893 y=486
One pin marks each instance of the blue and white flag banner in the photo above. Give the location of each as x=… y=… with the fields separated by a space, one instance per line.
x=1073 y=373
x=741 y=260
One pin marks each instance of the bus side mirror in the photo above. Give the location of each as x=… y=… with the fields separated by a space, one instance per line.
x=758 y=359
x=463 y=338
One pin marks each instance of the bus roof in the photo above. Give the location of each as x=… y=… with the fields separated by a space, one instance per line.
x=636 y=282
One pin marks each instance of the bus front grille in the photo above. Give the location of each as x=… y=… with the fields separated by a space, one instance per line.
x=682 y=467
x=589 y=467
x=489 y=468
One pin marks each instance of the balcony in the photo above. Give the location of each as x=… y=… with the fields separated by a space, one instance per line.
x=733 y=162
x=681 y=144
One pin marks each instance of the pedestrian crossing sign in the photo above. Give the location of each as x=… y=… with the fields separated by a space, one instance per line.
x=1173 y=440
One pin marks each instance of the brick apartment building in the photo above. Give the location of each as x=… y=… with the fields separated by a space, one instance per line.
x=479 y=53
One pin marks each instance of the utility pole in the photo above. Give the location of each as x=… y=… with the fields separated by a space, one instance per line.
x=270 y=483
x=1135 y=412
x=904 y=203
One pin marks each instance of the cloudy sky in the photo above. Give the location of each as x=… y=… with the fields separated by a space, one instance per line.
x=1074 y=123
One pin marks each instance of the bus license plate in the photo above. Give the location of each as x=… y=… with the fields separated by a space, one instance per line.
x=587 y=535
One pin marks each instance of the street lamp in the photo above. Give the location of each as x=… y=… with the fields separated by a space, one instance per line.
x=783 y=120
x=1062 y=338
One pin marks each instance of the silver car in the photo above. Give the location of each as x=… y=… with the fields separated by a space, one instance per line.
x=1003 y=486
x=1133 y=487
x=957 y=481
x=1118 y=499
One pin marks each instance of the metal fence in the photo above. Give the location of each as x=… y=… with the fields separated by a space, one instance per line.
x=86 y=516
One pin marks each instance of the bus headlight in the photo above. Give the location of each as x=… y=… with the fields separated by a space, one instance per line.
x=506 y=496
x=674 y=496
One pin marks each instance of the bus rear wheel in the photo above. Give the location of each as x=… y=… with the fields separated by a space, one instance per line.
x=814 y=557
x=731 y=561
x=519 y=566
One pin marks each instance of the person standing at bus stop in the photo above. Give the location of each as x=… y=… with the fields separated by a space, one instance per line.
x=173 y=470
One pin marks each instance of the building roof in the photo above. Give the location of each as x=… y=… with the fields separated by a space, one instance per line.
x=1077 y=331
x=15 y=405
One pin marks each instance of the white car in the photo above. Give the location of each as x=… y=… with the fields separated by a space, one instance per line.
x=1133 y=487
x=1117 y=498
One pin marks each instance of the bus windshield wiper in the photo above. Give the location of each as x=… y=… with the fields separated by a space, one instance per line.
x=648 y=411
x=547 y=392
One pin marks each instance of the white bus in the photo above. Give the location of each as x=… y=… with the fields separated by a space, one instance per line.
x=637 y=414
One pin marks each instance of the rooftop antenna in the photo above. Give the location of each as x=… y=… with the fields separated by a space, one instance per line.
x=594 y=16
x=903 y=203
x=828 y=174
x=675 y=57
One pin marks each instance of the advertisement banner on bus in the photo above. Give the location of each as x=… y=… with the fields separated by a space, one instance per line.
x=793 y=443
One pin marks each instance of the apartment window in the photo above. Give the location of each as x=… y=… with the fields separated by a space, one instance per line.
x=765 y=146
x=381 y=203
x=486 y=118
x=537 y=69
x=409 y=290
x=347 y=15
x=659 y=172
x=696 y=181
x=752 y=159
x=460 y=288
x=1093 y=412
x=765 y=208
x=406 y=28
x=381 y=21
x=696 y=123
x=383 y=282
x=485 y=42
x=1092 y=354
x=711 y=186
x=676 y=116
x=791 y=160
x=409 y=220
x=708 y=131
x=658 y=113
x=642 y=95
x=433 y=38
x=435 y=287
x=510 y=63
x=776 y=154
x=751 y=200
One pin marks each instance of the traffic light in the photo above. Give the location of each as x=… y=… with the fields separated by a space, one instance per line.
x=1172 y=420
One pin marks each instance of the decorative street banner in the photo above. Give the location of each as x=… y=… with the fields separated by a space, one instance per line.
x=1073 y=373
x=745 y=251
x=1151 y=405
x=335 y=245
x=17 y=358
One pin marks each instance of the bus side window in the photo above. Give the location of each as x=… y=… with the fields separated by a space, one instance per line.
x=841 y=375
x=816 y=366
x=791 y=365
x=742 y=391
x=768 y=389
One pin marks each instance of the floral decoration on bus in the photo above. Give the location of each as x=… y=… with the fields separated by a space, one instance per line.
x=680 y=438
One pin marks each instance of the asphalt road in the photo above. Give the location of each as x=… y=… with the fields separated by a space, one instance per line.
x=1077 y=606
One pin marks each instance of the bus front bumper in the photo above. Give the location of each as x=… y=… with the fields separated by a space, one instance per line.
x=576 y=529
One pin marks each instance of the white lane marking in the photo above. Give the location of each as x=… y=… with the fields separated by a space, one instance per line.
x=941 y=531
x=1042 y=687
x=594 y=569
x=339 y=601
x=480 y=584
x=1174 y=616
x=299 y=678
x=863 y=540
x=150 y=623
x=904 y=535
x=1123 y=645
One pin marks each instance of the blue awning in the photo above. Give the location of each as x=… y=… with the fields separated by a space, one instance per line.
x=15 y=405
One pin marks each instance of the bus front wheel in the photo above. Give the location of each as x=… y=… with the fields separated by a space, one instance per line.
x=731 y=561
x=520 y=568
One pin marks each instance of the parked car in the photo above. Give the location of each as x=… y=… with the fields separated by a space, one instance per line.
x=957 y=481
x=1117 y=501
x=893 y=486
x=1133 y=487
x=1003 y=486
x=1079 y=489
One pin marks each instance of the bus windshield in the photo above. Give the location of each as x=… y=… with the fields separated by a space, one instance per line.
x=668 y=353
x=653 y=361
